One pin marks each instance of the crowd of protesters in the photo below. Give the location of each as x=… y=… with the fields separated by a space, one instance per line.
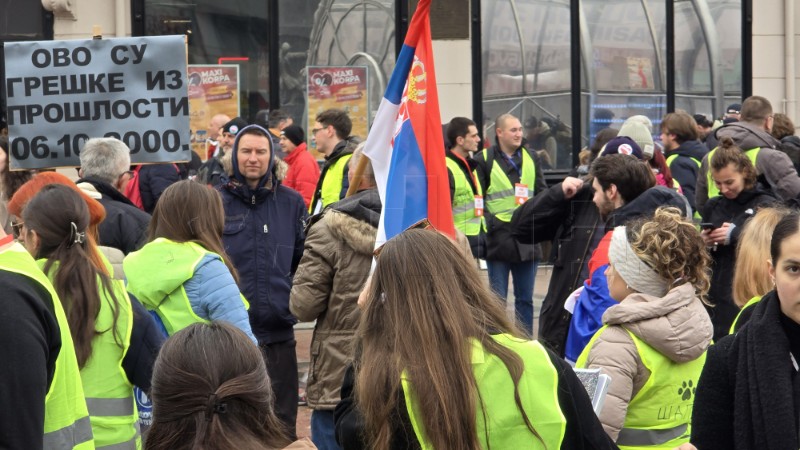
x=674 y=272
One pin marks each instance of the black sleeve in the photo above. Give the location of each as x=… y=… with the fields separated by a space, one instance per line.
x=482 y=172
x=300 y=237
x=31 y=342
x=452 y=182
x=713 y=411
x=159 y=178
x=146 y=340
x=685 y=171
x=345 y=182
x=348 y=421
x=541 y=184
x=539 y=218
x=584 y=430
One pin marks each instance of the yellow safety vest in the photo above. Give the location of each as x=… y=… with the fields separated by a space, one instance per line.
x=173 y=308
x=506 y=429
x=713 y=191
x=464 y=216
x=66 y=419
x=749 y=303
x=109 y=393
x=500 y=199
x=660 y=414
x=332 y=183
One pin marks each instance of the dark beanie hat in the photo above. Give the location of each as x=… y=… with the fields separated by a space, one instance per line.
x=624 y=146
x=294 y=133
x=234 y=125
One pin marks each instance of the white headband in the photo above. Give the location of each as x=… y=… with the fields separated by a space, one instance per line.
x=632 y=269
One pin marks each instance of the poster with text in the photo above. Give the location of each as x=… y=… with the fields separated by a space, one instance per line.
x=213 y=89
x=342 y=88
x=61 y=93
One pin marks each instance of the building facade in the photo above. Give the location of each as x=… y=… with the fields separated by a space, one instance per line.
x=570 y=66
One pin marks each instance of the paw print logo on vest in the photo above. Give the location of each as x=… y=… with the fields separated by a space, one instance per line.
x=687 y=390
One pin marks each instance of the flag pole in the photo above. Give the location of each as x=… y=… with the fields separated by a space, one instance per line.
x=357 y=176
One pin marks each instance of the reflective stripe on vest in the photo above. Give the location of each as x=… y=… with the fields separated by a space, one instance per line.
x=174 y=310
x=713 y=190
x=66 y=419
x=500 y=200
x=332 y=183
x=506 y=429
x=463 y=201
x=77 y=435
x=109 y=393
x=659 y=416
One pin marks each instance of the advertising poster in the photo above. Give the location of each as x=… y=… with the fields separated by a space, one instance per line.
x=213 y=89
x=640 y=73
x=61 y=93
x=342 y=88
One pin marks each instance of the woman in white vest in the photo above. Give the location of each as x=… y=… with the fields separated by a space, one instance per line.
x=654 y=342
x=99 y=312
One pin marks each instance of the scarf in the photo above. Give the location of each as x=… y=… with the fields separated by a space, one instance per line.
x=764 y=413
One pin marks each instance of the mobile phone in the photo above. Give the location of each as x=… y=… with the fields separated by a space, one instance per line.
x=707 y=226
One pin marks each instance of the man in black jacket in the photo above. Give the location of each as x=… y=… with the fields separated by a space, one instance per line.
x=105 y=164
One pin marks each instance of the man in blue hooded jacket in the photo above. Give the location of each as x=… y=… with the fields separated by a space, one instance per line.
x=264 y=223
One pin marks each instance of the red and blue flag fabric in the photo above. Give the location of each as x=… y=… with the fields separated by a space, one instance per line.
x=405 y=143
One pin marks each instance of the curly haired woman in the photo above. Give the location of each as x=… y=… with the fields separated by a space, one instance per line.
x=654 y=342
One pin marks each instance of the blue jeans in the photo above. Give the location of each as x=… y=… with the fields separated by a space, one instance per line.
x=323 y=432
x=523 y=275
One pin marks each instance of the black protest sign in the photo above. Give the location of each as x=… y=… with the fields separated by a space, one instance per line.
x=61 y=93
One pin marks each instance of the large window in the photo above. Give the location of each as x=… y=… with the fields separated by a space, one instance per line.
x=526 y=72
x=527 y=68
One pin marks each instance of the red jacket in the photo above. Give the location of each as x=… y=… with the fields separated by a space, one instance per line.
x=303 y=172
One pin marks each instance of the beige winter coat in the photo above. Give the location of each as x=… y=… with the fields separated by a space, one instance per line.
x=676 y=325
x=335 y=264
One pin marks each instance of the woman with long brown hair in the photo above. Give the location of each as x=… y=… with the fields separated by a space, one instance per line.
x=211 y=391
x=183 y=274
x=114 y=345
x=440 y=365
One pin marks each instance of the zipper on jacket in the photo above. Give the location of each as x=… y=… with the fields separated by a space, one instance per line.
x=253 y=199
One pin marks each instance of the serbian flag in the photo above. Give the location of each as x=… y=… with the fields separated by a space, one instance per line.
x=405 y=143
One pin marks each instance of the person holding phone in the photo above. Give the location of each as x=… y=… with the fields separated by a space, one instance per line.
x=723 y=217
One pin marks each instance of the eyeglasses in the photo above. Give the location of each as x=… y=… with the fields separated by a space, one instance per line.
x=314 y=131
x=129 y=173
x=16 y=229
x=423 y=224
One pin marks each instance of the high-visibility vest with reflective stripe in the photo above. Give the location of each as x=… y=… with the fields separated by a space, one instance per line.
x=109 y=393
x=66 y=419
x=713 y=190
x=175 y=309
x=659 y=415
x=506 y=428
x=332 y=183
x=500 y=199
x=464 y=201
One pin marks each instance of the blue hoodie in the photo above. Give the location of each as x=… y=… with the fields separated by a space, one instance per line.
x=264 y=235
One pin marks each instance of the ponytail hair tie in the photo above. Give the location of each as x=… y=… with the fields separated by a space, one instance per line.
x=76 y=237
